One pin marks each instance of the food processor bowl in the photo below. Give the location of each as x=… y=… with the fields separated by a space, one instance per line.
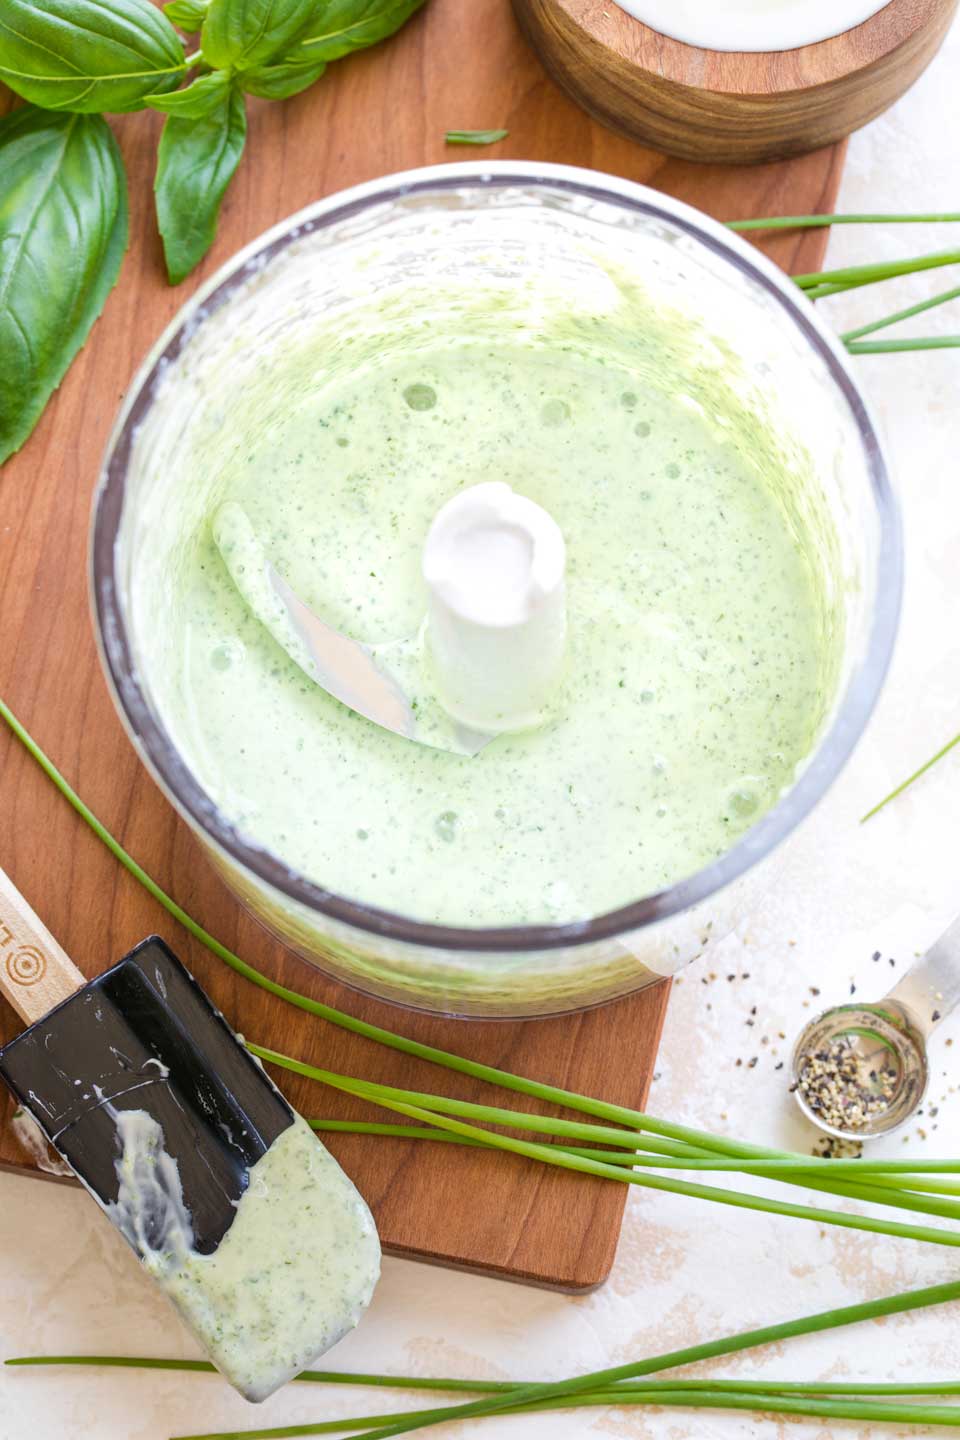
x=537 y=232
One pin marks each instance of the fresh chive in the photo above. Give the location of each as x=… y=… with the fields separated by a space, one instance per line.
x=475 y=137
x=854 y=276
x=601 y=1379
x=822 y=284
x=945 y=750
x=675 y=1398
x=865 y=1388
x=890 y=347
x=913 y=1170
x=906 y=1174
x=390 y=1098
x=810 y=222
x=899 y=315
x=312 y=1377
x=870 y=1184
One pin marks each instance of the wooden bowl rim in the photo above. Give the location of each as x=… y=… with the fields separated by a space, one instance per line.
x=739 y=72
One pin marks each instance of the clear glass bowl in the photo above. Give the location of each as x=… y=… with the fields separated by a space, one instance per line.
x=533 y=229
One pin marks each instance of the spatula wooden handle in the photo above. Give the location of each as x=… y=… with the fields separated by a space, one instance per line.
x=35 y=974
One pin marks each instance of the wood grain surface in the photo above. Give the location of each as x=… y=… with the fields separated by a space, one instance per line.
x=728 y=107
x=459 y=64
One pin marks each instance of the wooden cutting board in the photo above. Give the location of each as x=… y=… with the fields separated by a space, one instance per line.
x=458 y=64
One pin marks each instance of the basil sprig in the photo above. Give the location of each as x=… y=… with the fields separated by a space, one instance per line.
x=63 y=208
x=276 y=48
x=63 y=233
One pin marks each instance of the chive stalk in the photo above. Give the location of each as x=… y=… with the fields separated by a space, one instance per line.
x=812 y=222
x=360 y=1379
x=891 y=347
x=817 y=1398
x=676 y=1398
x=908 y=314
x=419 y=1106
x=855 y=276
x=557 y=1155
x=912 y=1170
x=822 y=284
x=583 y=1385
x=905 y=784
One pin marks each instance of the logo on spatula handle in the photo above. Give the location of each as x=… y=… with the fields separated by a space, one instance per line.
x=26 y=965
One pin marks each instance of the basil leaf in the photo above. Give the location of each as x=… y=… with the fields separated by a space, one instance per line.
x=243 y=34
x=195 y=163
x=249 y=35
x=88 y=56
x=280 y=81
x=63 y=233
x=199 y=99
x=187 y=15
x=346 y=25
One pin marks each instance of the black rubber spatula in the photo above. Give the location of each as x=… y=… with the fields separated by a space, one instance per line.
x=145 y=1091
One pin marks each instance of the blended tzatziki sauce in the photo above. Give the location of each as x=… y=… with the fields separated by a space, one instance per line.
x=696 y=673
x=340 y=405
x=291 y=1276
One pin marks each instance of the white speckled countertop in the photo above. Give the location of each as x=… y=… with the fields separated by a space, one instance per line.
x=683 y=1272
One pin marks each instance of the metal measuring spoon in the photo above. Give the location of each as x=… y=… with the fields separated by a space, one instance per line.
x=860 y=1070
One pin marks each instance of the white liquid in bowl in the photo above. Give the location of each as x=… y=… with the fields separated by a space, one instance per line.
x=751 y=24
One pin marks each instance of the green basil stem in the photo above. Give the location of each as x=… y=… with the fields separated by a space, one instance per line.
x=898 y=315
x=904 y=785
x=854 y=276
x=865 y=1388
x=688 y=1355
x=891 y=347
x=810 y=222
x=601 y=1109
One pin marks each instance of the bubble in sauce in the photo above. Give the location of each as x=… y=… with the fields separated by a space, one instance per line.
x=420 y=397
x=555 y=412
x=227 y=653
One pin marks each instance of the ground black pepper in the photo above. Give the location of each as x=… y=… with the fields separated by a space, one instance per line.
x=836 y=1088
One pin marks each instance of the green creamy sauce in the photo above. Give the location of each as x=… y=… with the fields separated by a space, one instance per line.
x=292 y=1275
x=699 y=659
